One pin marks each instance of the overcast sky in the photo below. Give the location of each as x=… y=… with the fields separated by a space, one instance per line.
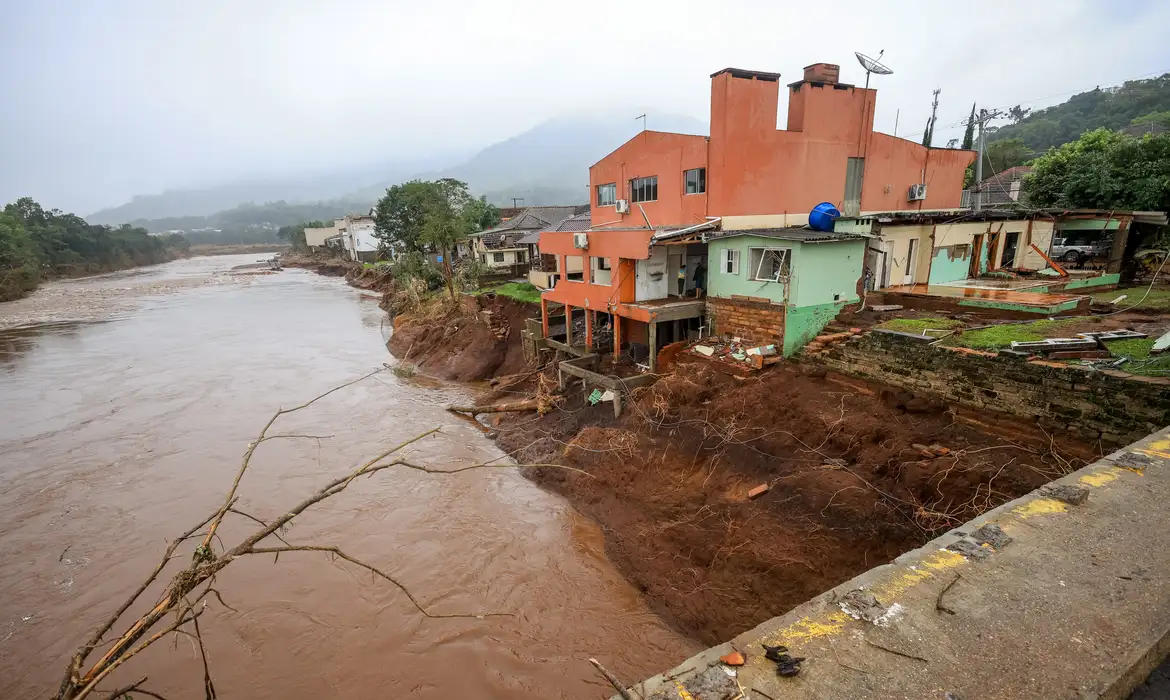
x=106 y=99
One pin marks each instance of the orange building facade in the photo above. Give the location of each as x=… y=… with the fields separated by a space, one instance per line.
x=748 y=174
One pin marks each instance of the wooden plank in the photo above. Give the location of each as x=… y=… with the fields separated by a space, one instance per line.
x=1161 y=344
x=1050 y=261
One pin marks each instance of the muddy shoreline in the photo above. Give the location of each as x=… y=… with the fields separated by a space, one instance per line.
x=849 y=485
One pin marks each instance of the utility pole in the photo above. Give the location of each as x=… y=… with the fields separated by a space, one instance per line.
x=928 y=135
x=515 y=200
x=985 y=116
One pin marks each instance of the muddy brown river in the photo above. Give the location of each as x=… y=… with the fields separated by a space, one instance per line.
x=126 y=402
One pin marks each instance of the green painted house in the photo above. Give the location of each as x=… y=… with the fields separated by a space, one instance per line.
x=781 y=285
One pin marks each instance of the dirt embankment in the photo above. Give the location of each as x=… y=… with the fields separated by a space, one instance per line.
x=849 y=490
x=476 y=340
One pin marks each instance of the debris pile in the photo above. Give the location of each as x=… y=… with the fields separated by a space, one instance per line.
x=738 y=353
x=1084 y=346
x=785 y=665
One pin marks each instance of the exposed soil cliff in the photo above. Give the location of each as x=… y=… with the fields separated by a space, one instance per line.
x=476 y=340
x=852 y=484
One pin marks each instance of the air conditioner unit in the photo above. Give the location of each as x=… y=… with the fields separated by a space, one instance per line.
x=917 y=193
x=581 y=240
x=622 y=206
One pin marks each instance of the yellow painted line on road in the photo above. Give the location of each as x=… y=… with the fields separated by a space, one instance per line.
x=1101 y=478
x=1040 y=506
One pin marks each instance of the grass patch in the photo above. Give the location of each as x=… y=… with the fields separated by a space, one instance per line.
x=520 y=291
x=1001 y=336
x=1158 y=299
x=918 y=326
x=372 y=265
x=1140 y=360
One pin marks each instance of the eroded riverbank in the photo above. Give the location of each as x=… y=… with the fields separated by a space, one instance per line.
x=118 y=435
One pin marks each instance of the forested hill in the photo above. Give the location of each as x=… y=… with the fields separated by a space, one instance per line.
x=1113 y=108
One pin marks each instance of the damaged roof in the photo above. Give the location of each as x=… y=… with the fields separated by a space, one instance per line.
x=509 y=233
x=799 y=234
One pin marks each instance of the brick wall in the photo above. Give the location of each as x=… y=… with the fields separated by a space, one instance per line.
x=754 y=321
x=1112 y=406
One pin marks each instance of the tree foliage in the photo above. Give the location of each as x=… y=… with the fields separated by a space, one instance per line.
x=35 y=242
x=1111 y=108
x=1001 y=155
x=969 y=134
x=432 y=217
x=1104 y=169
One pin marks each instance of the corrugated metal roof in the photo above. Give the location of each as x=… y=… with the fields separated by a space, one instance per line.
x=802 y=235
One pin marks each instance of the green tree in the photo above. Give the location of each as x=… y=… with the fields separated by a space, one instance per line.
x=18 y=263
x=400 y=214
x=1161 y=119
x=969 y=134
x=1017 y=114
x=928 y=133
x=448 y=219
x=480 y=215
x=1001 y=155
x=1104 y=169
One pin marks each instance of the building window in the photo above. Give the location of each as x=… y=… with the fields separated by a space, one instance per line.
x=519 y=256
x=644 y=189
x=498 y=257
x=483 y=258
x=575 y=268
x=729 y=261
x=606 y=194
x=770 y=264
x=696 y=181
x=601 y=272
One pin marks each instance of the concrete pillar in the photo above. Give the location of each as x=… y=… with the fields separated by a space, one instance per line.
x=544 y=316
x=617 y=336
x=568 y=325
x=589 y=329
x=617 y=403
x=653 y=346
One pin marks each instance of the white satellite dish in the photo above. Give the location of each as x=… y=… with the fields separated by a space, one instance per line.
x=872 y=65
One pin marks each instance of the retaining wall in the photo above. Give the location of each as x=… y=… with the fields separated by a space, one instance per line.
x=1109 y=405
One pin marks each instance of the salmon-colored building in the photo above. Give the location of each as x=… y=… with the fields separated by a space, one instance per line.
x=652 y=197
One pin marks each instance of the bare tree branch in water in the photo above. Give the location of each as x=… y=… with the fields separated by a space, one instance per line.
x=182 y=598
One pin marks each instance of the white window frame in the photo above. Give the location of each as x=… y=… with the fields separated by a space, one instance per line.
x=611 y=189
x=765 y=255
x=729 y=258
x=498 y=258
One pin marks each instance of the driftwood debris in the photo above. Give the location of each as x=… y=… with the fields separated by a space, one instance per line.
x=526 y=405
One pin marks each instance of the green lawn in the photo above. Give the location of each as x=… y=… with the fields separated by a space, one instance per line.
x=918 y=326
x=1138 y=352
x=520 y=291
x=1001 y=336
x=1158 y=299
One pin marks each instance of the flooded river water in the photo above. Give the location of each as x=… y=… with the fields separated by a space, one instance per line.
x=126 y=403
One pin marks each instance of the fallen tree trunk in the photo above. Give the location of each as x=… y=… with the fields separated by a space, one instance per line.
x=527 y=405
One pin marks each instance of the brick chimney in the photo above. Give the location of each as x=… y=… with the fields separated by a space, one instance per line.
x=822 y=73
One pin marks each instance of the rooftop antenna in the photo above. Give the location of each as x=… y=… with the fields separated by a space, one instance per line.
x=872 y=65
x=516 y=202
x=643 y=118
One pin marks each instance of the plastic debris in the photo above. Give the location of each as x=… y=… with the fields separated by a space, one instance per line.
x=733 y=659
x=785 y=665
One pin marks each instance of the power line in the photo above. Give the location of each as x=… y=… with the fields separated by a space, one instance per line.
x=963 y=122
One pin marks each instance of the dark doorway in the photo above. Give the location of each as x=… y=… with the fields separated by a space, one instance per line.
x=1011 y=243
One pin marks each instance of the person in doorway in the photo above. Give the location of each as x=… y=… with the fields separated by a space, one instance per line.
x=700 y=278
x=682 y=279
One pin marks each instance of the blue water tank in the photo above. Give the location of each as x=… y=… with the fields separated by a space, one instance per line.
x=822 y=216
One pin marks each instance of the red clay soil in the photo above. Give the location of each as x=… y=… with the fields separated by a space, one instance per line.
x=464 y=345
x=668 y=483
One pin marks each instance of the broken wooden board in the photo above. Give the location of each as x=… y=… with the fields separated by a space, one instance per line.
x=886 y=307
x=1161 y=344
x=1080 y=355
x=1052 y=344
x=1119 y=334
